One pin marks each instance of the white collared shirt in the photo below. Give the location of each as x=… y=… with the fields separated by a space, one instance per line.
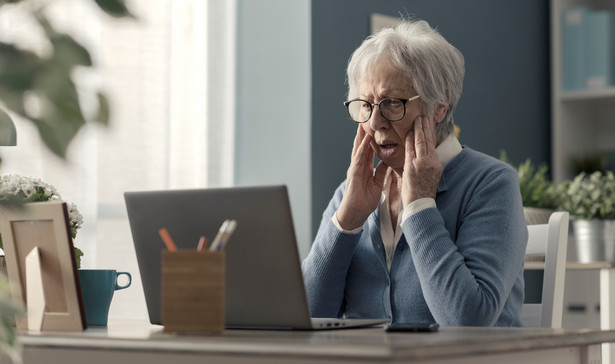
x=447 y=150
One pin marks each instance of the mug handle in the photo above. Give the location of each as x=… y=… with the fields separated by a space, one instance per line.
x=117 y=275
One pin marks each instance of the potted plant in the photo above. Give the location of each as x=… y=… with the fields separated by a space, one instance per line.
x=16 y=189
x=590 y=199
x=539 y=194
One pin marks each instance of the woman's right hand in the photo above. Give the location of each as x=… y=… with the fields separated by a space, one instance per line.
x=363 y=185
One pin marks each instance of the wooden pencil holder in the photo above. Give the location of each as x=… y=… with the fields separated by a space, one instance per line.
x=193 y=286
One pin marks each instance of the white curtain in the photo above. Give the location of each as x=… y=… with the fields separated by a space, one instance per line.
x=170 y=79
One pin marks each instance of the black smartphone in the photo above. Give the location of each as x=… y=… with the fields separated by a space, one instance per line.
x=413 y=327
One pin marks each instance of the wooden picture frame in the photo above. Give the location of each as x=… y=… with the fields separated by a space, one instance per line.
x=40 y=232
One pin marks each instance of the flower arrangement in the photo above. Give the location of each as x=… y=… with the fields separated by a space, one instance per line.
x=16 y=189
x=590 y=196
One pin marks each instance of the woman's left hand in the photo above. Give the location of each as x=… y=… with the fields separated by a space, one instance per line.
x=422 y=167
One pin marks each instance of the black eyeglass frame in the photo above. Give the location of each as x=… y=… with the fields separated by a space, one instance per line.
x=371 y=106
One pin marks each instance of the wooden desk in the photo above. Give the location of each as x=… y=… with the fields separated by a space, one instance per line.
x=607 y=297
x=138 y=342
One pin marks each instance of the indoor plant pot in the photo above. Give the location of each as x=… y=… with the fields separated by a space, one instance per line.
x=594 y=239
x=590 y=199
x=535 y=215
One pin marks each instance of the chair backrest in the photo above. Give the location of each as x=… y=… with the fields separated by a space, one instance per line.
x=551 y=240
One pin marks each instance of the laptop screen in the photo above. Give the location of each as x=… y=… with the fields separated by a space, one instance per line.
x=264 y=284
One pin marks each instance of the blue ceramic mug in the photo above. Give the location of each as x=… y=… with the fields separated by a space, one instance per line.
x=97 y=288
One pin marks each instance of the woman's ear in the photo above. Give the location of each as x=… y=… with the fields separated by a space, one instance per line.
x=440 y=113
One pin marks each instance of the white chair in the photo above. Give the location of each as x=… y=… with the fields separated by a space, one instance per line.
x=551 y=240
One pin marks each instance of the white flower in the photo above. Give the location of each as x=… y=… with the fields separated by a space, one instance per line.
x=32 y=190
x=75 y=216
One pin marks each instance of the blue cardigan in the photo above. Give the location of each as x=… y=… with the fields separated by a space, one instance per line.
x=460 y=264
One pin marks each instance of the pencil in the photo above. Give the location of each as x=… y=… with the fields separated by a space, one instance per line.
x=202 y=244
x=166 y=238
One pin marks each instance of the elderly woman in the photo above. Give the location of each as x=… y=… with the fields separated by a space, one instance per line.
x=435 y=233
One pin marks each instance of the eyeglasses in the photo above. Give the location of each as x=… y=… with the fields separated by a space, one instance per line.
x=392 y=109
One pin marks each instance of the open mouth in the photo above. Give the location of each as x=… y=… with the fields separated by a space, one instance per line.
x=388 y=149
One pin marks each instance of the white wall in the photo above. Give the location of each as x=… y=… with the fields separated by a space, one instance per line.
x=273 y=102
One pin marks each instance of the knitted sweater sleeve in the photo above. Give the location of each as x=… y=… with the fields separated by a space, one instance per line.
x=326 y=266
x=466 y=282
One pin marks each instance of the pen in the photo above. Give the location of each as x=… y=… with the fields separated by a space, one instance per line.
x=230 y=229
x=215 y=245
x=202 y=244
x=166 y=238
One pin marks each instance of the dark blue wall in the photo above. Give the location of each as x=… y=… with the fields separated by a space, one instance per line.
x=506 y=99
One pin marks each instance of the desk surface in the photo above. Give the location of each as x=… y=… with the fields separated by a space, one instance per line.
x=350 y=344
x=537 y=265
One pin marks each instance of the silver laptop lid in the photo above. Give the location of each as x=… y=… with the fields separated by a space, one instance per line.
x=263 y=278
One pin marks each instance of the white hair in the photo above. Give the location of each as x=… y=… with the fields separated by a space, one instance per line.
x=430 y=63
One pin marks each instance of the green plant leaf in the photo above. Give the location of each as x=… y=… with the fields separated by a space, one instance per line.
x=590 y=196
x=69 y=52
x=115 y=8
x=57 y=133
x=7 y=128
x=13 y=101
x=104 y=112
x=18 y=68
x=66 y=50
x=61 y=104
x=537 y=190
x=78 y=254
x=18 y=71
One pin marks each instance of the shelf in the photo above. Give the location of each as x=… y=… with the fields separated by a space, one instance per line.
x=582 y=120
x=587 y=95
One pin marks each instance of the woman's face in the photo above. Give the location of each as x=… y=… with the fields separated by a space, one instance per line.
x=381 y=81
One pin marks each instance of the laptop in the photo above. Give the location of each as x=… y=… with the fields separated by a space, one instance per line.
x=264 y=283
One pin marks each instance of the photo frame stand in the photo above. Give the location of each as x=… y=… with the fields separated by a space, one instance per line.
x=41 y=265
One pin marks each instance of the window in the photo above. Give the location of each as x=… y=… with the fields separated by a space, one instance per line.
x=172 y=122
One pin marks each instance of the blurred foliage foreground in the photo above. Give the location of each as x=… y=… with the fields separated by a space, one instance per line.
x=39 y=86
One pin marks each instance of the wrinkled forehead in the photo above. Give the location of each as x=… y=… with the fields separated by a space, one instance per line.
x=375 y=69
x=383 y=77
